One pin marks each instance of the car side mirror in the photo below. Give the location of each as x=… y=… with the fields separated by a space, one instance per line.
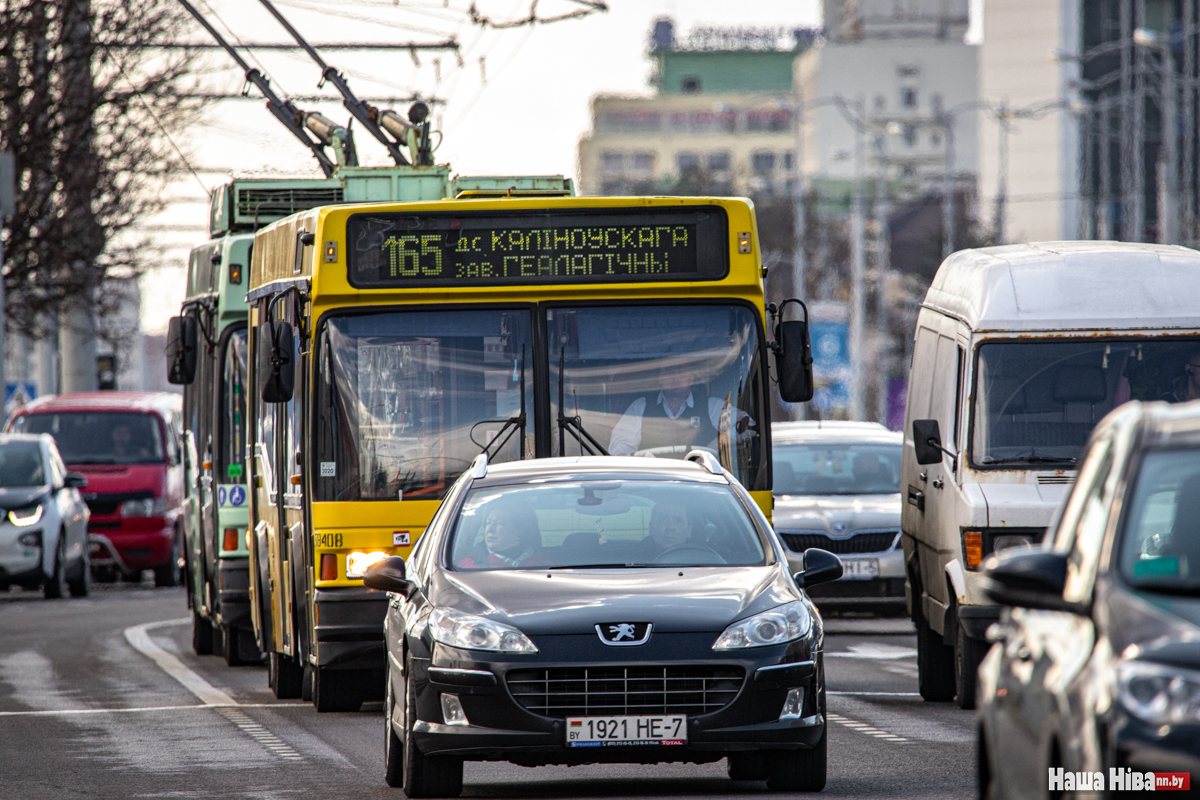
x=793 y=355
x=927 y=442
x=73 y=480
x=820 y=566
x=181 y=350
x=389 y=575
x=276 y=367
x=1027 y=578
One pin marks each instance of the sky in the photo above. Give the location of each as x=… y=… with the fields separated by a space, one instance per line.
x=518 y=103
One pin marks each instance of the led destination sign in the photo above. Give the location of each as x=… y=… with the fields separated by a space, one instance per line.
x=686 y=244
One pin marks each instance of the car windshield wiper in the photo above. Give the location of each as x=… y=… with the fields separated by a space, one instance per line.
x=621 y=565
x=573 y=425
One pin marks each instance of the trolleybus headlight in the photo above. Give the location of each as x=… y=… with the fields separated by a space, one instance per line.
x=783 y=624
x=24 y=517
x=357 y=562
x=469 y=632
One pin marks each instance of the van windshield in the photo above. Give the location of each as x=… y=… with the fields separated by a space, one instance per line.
x=85 y=437
x=1036 y=402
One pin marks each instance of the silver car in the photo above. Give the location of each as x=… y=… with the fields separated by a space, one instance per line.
x=837 y=487
x=43 y=530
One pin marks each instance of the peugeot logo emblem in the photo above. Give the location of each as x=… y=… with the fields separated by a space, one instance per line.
x=624 y=633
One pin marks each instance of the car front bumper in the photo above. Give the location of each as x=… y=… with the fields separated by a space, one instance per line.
x=19 y=563
x=502 y=728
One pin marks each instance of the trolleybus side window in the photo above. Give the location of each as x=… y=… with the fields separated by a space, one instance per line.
x=408 y=399
x=233 y=409
x=265 y=443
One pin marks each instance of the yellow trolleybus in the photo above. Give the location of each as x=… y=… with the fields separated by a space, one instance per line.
x=392 y=343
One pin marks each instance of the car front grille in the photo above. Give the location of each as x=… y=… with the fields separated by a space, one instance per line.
x=102 y=505
x=867 y=542
x=603 y=691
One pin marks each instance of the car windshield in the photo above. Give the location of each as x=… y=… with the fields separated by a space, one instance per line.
x=1160 y=543
x=21 y=465
x=1036 y=402
x=604 y=524
x=406 y=400
x=820 y=468
x=658 y=381
x=86 y=437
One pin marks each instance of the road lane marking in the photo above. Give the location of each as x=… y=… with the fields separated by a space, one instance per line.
x=258 y=733
x=69 y=712
x=875 y=694
x=863 y=727
x=875 y=652
x=139 y=639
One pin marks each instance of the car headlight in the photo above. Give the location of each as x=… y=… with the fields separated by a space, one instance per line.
x=358 y=561
x=144 y=507
x=470 y=632
x=1159 y=694
x=783 y=624
x=24 y=517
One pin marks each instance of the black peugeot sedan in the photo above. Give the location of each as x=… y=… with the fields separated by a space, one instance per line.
x=1093 y=684
x=602 y=610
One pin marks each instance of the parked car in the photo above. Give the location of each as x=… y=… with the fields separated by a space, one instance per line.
x=43 y=533
x=1096 y=667
x=1018 y=352
x=127 y=445
x=602 y=610
x=837 y=487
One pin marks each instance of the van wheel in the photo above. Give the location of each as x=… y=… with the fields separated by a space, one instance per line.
x=968 y=655
x=168 y=574
x=798 y=770
x=935 y=663
x=202 y=635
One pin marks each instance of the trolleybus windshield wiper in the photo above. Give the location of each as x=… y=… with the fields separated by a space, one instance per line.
x=573 y=425
x=511 y=425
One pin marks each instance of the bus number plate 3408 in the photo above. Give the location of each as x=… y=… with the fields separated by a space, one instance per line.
x=643 y=731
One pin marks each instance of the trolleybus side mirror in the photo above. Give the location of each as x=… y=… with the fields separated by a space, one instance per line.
x=181 y=350
x=793 y=354
x=276 y=368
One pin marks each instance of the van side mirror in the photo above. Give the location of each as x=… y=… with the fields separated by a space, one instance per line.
x=820 y=566
x=276 y=366
x=793 y=354
x=181 y=350
x=389 y=575
x=927 y=442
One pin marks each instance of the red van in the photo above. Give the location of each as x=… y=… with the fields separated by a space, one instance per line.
x=127 y=445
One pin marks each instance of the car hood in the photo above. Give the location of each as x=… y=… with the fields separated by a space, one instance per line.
x=121 y=478
x=826 y=512
x=20 y=496
x=687 y=600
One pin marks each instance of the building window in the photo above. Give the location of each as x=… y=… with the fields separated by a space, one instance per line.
x=769 y=120
x=719 y=161
x=908 y=70
x=611 y=162
x=690 y=85
x=762 y=161
x=935 y=139
x=910 y=135
x=686 y=162
x=880 y=102
x=788 y=161
x=908 y=98
x=643 y=162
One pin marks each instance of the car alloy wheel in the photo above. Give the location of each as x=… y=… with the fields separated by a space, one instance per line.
x=56 y=585
x=393 y=748
x=82 y=586
x=426 y=776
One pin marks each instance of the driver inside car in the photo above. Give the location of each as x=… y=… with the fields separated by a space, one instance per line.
x=671 y=525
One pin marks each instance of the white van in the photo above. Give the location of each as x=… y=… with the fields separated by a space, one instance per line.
x=1019 y=351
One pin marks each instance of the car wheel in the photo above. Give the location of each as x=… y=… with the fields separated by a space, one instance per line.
x=82 y=586
x=798 y=770
x=202 y=635
x=335 y=691
x=167 y=574
x=426 y=776
x=285 y=676
x=968 y=655
x=56 y=585
x=747 y=766
x=935 y=663
x=393 y=748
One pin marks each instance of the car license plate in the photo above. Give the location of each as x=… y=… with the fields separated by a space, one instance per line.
x=668 y=729
x=860 y=568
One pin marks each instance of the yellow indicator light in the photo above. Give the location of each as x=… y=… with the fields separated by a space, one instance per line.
x=973 y=548
x=744 y=242
x=235 y=273
x=357 y=562
x=230 y=539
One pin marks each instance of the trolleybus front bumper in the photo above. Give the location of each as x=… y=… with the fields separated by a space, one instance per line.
x=348 y=630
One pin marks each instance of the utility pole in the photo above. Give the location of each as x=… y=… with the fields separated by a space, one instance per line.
x=858 y=360
x=1002 y=116
x=948 y=216
x=882 y=266
x=799 y=212
x=8 y=207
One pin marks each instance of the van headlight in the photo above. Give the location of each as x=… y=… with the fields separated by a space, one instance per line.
x=24 y=517
x=783 y=624
x=144 y=507
x=1158 y=694
x=470 y=632
x=358 y=561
